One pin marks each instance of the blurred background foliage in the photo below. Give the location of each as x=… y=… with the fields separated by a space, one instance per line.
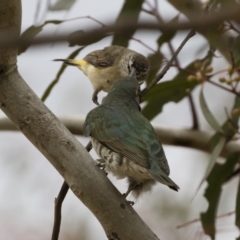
x=203 y=81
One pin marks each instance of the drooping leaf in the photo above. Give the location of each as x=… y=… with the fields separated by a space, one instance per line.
x=174 y=90
x=76 y=38
x=60 y=72
x=208 y=115
x=230 y=127
x=212 y=161
x=215 y=154
x=237 y=220
x=167 y=36
x=170 y=91
x=155 y=61
x=215 y=181
x=156 y=58
x=129 y=12
x=32 y=32
x=61 y=5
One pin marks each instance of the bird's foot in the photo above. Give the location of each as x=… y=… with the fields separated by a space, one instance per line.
x=125 y=196
x=130 y=202
x=101 y=164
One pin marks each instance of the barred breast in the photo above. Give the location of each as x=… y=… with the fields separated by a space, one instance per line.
x=119 y=165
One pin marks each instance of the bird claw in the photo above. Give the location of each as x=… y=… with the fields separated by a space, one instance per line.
x=102 y=165
x=125 y=195
x=130 y=202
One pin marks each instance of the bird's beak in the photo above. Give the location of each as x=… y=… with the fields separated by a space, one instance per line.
x=72 y=62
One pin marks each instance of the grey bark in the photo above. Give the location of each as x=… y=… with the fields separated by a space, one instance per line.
x=58 y=145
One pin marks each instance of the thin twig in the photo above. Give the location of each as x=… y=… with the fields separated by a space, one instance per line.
x=198 y=219
x=165 y=69
x=195 y=122
x=84 y=17
x=145 y=45
x=57 y=210
x=227 y=89
x=58 y=204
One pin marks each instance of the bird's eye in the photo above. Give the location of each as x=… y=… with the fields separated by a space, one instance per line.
x=102 y=64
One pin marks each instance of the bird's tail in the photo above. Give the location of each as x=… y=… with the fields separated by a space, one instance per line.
x=163 y=178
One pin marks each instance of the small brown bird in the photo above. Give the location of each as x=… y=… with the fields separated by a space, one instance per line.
x=105 y=66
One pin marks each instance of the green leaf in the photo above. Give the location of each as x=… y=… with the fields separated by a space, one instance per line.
x=208 y=115
x=170 y=91
x=61 y=5
x=167 y=36
x=75 y=38
x=237 y=220
x=130 y=12
x=155 y=61
x=156 y=58
x=215 y=180
x=235 y=51
x=215 y=154
x=60 y=72
x=230 y=127
x=32 y=32
x=174 y=90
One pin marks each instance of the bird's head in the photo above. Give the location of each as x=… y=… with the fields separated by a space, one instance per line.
x=125 y=88
x=137 y=62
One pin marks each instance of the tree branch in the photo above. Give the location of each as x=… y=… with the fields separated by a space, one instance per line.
x=195 y=139
x=58 y=145
x=58 y=204
x=57 y=210
x=197 y=23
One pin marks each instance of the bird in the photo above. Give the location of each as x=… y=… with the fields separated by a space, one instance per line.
x=105 y=66
x=125 y=140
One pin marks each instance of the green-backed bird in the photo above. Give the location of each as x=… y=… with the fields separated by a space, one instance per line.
x=105 y=66
x=126 y=141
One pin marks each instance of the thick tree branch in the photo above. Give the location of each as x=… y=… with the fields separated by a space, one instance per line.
x=59 y=146
x=195 y=139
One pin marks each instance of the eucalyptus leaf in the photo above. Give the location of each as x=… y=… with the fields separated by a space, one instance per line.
x=129 y=13
x=167 y=36
x=230 y=127
x=215 y=154
x=155 y=61
x=215 y=180
x=237 y=219
x=62 y=5
x=32 y=32
x=208 y=115
x=171 y=91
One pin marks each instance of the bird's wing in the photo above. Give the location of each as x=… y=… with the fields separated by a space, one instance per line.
x=119 y=133
x=99 y=59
